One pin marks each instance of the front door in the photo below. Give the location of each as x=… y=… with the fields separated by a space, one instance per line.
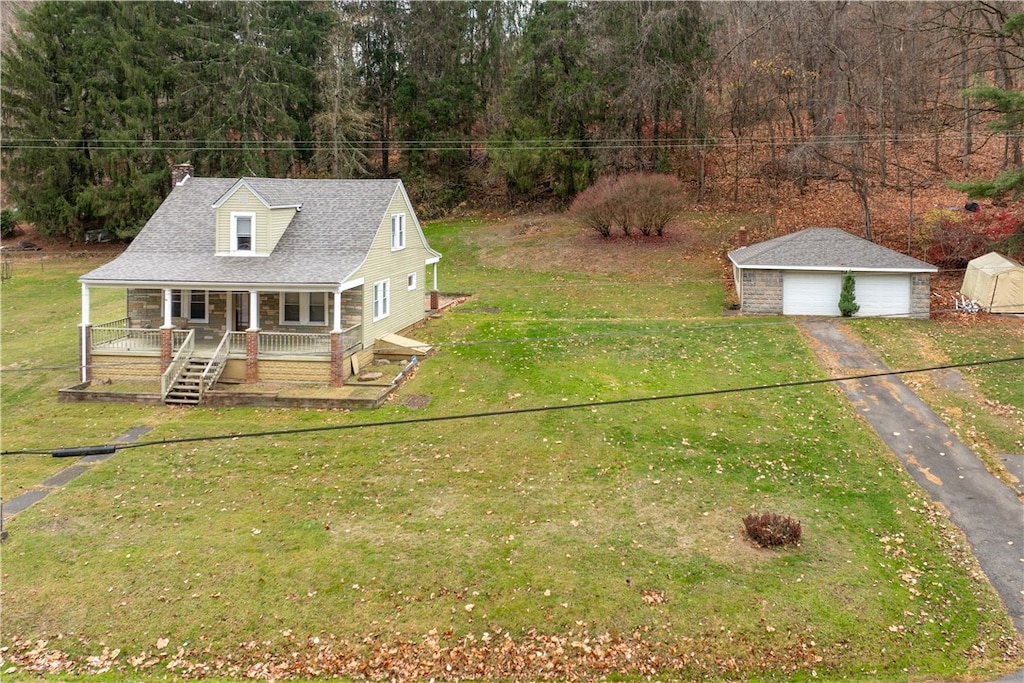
x=241 y=311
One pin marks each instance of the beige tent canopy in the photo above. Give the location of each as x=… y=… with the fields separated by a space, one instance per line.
x=996 y=283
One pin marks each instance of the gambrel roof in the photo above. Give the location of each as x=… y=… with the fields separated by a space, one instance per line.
x=826 y=249
x=326 y=241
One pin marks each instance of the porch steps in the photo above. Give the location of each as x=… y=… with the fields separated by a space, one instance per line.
x=188 y=389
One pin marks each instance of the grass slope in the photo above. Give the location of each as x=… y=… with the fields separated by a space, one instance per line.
x=597 y=540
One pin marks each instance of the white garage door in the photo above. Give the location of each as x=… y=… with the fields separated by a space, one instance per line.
x=883 y=294
x=811 y=293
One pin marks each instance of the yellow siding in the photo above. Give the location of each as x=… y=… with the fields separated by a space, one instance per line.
x=244 y=201
x=279 y=220
x=125 y=367
x=382 y=263
x=295 y=371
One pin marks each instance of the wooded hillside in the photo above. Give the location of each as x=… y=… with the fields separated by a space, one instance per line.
x=499 y=104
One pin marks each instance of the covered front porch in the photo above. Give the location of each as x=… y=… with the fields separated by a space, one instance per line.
x=193 y=338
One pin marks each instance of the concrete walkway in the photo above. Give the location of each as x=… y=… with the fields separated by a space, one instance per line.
x=988 y=511
x=57 y=481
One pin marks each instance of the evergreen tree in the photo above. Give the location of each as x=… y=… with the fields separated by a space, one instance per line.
x=548 y=102
x=848 y=305
x=1009 y=103
x=84 y=89
x=439 y=97
x=377 y=34
x=99 y=96
x=251 y=88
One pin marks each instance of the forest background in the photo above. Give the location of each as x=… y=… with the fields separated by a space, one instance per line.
x=499 y=105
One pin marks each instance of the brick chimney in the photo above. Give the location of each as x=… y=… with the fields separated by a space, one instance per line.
x=180 y=173
x=741 y=237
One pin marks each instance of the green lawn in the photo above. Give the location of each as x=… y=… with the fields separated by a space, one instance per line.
x=594 y=540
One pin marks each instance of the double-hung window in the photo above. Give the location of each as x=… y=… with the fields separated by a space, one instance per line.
x=398 y=231
x=304 y=308
x=381 y=299
x=190 y=303
x=243 y=229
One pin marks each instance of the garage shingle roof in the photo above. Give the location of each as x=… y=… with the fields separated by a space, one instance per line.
x=326 y=241
x=825 y=249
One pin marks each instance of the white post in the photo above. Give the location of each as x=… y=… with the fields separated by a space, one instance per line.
x=337 y=310
x=85 y=335
x=167 y=308
x=254 y=310
x=85 y=304
x=435 y=277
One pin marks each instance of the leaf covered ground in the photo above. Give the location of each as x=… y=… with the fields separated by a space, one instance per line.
x=558 y=544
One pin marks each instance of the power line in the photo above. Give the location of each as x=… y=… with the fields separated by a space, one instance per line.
x=534 y=144
x=110 y=448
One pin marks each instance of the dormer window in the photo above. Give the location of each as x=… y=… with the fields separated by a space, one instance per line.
x=243 y=227
x=398 y=231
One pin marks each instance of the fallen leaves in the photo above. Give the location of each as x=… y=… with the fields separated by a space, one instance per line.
x=493 y=655
x=653 y=597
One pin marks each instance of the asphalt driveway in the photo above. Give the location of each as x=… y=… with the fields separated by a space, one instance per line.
x=990 y=513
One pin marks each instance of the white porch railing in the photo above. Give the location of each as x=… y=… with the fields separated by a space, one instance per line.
x=215 y=366
x=178 y=363
x=119 y=336
x=294 y=344
x=236 y=343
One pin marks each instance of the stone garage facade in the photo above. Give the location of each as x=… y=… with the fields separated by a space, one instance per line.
x=801 y=274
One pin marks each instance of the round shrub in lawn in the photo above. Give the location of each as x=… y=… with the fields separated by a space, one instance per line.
x=772 y=530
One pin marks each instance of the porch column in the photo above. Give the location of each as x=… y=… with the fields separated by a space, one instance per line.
x=85 y=337
x=337 y=359
x=252 y=353
x=167 y=308
x=435 y=296
x=166 y=333
x=252 y=339
x=166 y=347
x=337 y=310
x=254 y=310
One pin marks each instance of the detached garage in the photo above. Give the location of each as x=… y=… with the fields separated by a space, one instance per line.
x=802 y=274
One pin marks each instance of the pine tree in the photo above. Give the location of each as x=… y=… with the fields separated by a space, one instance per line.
x=82 y=86
x=848 y=305
x=1009 y=102
x=99 y=96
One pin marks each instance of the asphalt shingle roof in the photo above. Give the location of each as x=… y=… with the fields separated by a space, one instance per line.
x=825 y=248
x=327 y=240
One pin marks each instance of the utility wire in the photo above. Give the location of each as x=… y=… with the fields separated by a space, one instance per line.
x=111 y=448
x=467 y=145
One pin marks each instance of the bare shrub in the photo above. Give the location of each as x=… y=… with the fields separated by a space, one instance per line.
x=770 y=529
x=592 y=207
x=637 y=201
x=654 y=200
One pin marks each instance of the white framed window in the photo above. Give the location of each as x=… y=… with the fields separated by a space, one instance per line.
x=198 y=305
x=243 y=232
x=190 y=303
x=303 y=308
x=412 y=281
x=398 y=231
x=381 y=299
